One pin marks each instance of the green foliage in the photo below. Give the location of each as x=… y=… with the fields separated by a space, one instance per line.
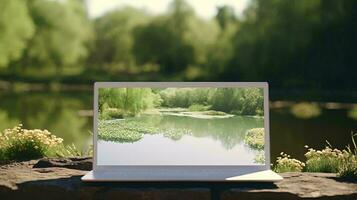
x=237 y=101
x=16 y=28
x=260 y=157
x=344 y=162
x=255 y=138
x=72 y=150
x=305 y=110
x=23 y=144
x=183 y=97
x=270 y=43
x=62 y=34
x=198 y=107
x=107 y=114
x=114 y=39
x=328 y=160
x=40 y=37
x=287 y=164
x=174 y=53
x=348 y=167
x=182 y=37
x=131 y=130
x=225 y=16
x=352 y=113
x=127 y=101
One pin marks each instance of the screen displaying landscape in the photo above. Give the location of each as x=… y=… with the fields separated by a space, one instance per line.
x=180 y=126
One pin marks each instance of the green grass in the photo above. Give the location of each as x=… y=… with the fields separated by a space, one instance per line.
x=286 y=164
x=327 y=160
x=255 y=138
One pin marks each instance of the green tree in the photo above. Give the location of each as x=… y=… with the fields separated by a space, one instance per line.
x=299 y=43
x=130 y=101
x=16 y=28
x=114 y=38
x=164 y=41
x=62 y=34
x=225 y=16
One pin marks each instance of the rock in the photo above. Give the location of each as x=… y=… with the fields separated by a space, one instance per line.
x=71 y=163
x=60 y=179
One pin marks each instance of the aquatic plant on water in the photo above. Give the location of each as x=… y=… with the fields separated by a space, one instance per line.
x=131 y=131
x=175 y=134
x=255 y=138
x=260 y=157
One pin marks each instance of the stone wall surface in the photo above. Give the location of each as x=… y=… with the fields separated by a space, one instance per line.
x=60 y=179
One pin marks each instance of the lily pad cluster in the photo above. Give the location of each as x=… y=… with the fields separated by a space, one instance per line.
x=129 y=131
x=255 y=138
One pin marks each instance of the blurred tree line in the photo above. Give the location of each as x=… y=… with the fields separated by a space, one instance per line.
x=297 y=43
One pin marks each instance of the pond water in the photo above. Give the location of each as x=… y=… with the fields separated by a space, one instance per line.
x=64 y=115
x=159 y=150
x=208 y=142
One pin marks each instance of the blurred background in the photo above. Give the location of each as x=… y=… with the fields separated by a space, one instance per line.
x=51 y=52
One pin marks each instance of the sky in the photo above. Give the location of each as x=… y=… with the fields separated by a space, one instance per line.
x=203 y=8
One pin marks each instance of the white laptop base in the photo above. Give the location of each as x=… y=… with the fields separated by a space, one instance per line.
x=111 y=175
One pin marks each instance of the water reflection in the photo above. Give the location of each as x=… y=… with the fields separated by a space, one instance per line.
x=229 y=131
x=55 y=112
x=159 y=150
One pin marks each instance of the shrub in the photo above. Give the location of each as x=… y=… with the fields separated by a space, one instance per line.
x=305 y=110
x=198 y=107
x=111 y=114
x=255 y=138
x=327 y=160
x=348 y=165
x=21 y=144
x=287 y=164
x=353 y=113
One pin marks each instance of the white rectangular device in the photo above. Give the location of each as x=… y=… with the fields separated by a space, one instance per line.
x=181 y=131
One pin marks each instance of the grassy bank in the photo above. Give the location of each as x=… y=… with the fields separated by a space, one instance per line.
x=17 y=144
x=327 y=160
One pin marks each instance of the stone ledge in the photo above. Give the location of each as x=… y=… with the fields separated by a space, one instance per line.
x=60 y=179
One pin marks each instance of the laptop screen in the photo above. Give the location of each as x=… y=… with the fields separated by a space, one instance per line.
x=180 y=126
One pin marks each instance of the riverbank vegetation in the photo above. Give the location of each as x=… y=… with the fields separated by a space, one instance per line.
x=17 y=144
x=123 y=102
x=255 y=138
x=328 y=160
x=45 y=41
